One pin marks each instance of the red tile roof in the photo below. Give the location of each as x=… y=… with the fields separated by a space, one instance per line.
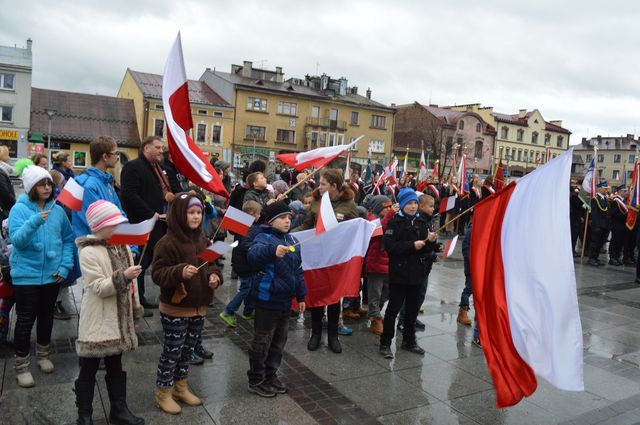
x=81 y=117
x=515 y=119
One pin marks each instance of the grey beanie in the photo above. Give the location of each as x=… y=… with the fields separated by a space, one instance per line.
x=378 y=202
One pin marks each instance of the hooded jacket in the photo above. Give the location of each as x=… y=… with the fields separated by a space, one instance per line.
x=173 y=252
x=344 y=207
x=377 y=260
x=42 y=248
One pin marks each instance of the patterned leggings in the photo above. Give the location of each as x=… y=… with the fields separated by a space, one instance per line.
x=180 y=335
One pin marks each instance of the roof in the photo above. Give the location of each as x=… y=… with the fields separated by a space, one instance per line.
x=515 y=119
x=15 y=56
x=83 y=117
x=199 y=92
x=451 y=116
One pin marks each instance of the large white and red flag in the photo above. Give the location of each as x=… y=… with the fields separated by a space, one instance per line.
x=217 y=250
x=524 y=284
x=132 y=234
x=315 y=158
x=177 y=111
x=326 y=215
x=448 y=203
x=332 y=261
x=71 y=195
x=237 y=221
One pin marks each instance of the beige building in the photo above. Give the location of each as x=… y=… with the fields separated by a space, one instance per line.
x=616 y=156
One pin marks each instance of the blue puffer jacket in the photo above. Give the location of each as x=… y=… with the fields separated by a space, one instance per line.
x=41 y=248
x=97 y=185
x=279 y=279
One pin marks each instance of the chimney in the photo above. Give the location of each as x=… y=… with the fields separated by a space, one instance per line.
x=354 y=90
x=522 y=113
x=469 y=108
x=246 y=69
x=369 y=93
x=393 y=105
x=556 y=122
x=279 y=75
x=29 y=44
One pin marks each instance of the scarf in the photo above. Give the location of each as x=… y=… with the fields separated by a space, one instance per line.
x=162 y=178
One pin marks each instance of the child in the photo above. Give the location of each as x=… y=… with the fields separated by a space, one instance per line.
x=41 y=258
x=185 y=292
x=109 y=303
x=410 y=245
x=243 y=268
x=279 y=281
x=258 y=191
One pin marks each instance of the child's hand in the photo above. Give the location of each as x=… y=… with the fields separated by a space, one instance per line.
x=302 y=307
x=395 y=207
x=132 y=272
x=281 y=251
x=419 y=245
x=432 y=236
x=45 y=214
x=189 y=271
x=280 y=197
x=214 y=281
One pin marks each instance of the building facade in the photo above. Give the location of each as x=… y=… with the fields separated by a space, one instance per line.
x=15 y=98
x=212 y=115
x=274 y=116
x=616 y=156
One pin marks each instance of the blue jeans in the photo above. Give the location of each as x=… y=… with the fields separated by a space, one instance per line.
x=243 y=291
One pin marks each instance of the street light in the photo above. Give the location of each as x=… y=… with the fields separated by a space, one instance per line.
x=50 y=114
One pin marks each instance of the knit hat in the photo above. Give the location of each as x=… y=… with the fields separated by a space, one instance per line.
x=194 y=202
x=275 y=210
x=362 y=211
x=378 y=203
x=103 y=213
x=32 y=175
x=280 y=186
x=406 y=195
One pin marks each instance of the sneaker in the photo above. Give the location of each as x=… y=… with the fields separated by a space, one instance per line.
x=262 y=389
x=203 y=352
x=421 y=309
x=385 y=351
x=249 y=316
x=476 y=342
x=277 y=386
x=344 y=331
x=196 y=360
x=59 y=313
x=420 y=326
x=229 y=319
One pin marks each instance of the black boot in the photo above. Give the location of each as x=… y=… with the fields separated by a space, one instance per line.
x=314 y=342
x=84 y=401
x=117 y=389
x=316 y=331
x=334 y=342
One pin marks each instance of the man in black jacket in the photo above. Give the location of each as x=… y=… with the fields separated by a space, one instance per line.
x=7 y=195
x=144 y=191
x=599 y=223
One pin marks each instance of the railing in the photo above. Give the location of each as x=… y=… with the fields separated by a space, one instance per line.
x=327 y=123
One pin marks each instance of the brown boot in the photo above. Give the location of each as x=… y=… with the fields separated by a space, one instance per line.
x=463 y=318
x=350 y=314
x=165 y=402
x=182 y=392
x=376 y=325
x=362 y=311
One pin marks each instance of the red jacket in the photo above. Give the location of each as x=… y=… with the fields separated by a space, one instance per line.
x=377 y=260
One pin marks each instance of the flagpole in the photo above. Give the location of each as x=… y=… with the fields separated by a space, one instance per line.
x=302 y=181
x=584 y=235
x=202 y=265
x=452 y=220
x=144 y=249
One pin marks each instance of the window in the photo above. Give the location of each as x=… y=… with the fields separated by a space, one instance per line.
x=376 y=146
x=256 y=104
x=315 y=111
x=218 y=114
x=201 y=135
x=6 y=81
x=526 y=156
x=478 y=150
x=332 y=139
x=202 y=112
x=341 y=139
x=534 y=137
x=632 y=158
x=537 y=156
x=616 y=158
x=287 y=108
x=6 y=113
x=355 y=118
x=616 y=175
x=520 y=135
x=560 y=142
x=461 y=125
x=600 y=157
x=216 y=134
x=285 y=136
x=378 y=121
x=323 y=139
x=259 y=133
x=589 y=157
x=158 y=128
x=478 y=128
x=519 y=154
x=506 y=152
x=504 y=133
x=159 y=106
x=547 y=139
x=314 y=139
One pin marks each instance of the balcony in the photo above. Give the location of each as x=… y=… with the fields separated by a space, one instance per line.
x=327 y=123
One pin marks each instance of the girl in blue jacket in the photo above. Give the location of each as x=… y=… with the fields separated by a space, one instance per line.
x=41 y=259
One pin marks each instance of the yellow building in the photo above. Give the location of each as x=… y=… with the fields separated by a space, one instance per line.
x=522 y=139
x=212 y=115
x=278 y=116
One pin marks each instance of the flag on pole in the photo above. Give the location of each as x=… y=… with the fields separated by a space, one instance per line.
x=405 y=164
x=315 y=158
x=462 y=176
x=498 y=177
x=633 y=201
x=237 y=221
x=548 y=154
x=451 y=246
x=447 y=203
x=388 y=174
x=434 y=172
x=367 y=178
x=132 y=234
x=589 y=181
x=185 y=154
x=422 y=174
x=525 y=287
x=71 y=195
x=326 y=216
x=217 y=250
x=347 y=168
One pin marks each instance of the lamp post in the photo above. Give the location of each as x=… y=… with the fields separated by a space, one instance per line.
x=50 y=114
x=255 y=135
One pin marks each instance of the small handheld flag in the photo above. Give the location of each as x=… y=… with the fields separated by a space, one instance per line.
x=217 y=250
x=71 y=195
x=237 y=221
x=451 y=246
x=132 y=234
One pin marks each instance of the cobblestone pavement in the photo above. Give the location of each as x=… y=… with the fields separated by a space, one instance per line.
x=449 y=385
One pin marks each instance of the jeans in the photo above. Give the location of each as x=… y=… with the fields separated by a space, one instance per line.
x=33 y=302
x=421 y=296
x=243 y=291
x=89 y=367
x=378 y=289
x=271 y=328
x=145 y=262
x=180 y=336
x=398 y=295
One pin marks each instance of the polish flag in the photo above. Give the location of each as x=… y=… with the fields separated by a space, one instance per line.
x=189 y=159
x=462 y=177
x=448 y=203
x=315 y=158
x=498 y=177
x=332 y=262
x=524 y=284
x=71 y=195
x=378 y=230
x=326 y=216
x=217 y=250
x=237 y=221
x=451 y=246
x=132 y=234
x=434 y=172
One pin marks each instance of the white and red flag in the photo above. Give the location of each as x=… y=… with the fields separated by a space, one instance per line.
x=177 y=111
x=71 y=195
x=378 y=230
x=451 y=246
x=217 y=250
x=524 y=284
x=332 y=262
x=447 y=203
x=547 y=154
x=237 y=221
x=315 y=158
x=462 y=176
x=326 y=215
x=133 y=234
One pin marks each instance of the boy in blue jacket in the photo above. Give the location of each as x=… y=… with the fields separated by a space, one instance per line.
x=279 y=280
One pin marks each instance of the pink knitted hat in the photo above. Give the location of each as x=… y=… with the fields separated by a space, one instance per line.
x=101 y=214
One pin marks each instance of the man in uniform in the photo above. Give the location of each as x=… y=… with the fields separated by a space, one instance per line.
x=599 y=223
x=618 y=216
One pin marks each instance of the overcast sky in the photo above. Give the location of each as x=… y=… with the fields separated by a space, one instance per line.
x=576 y=61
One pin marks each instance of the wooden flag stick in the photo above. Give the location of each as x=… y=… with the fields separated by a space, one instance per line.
x=144 y=249
x=302 y=181
x=202 y=265
x=584 y=235
x=453 y=220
